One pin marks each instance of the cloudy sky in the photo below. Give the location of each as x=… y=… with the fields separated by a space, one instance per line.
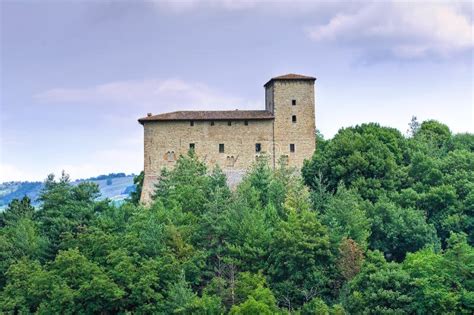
x=76 y=75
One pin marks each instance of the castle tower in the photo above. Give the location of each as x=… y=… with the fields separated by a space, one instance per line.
x=290 y=98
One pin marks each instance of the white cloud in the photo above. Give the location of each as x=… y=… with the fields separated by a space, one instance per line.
x=186 y=5
x=10 y=172
x=282 y=7
x=106 y=161
x=152 y=94
x=401 y=29
x=404 y=30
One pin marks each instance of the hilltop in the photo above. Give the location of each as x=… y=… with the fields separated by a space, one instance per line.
x=114 y=186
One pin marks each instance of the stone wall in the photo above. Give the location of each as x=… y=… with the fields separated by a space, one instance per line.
x=165 y=141
x=300 y=133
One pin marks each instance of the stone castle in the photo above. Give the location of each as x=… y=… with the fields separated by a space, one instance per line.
x=234 y=139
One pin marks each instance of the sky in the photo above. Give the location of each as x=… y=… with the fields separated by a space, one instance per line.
x=76 y=75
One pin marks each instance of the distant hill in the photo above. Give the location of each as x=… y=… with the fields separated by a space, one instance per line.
x=115 y=186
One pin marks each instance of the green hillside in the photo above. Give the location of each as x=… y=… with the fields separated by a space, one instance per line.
x=116 y=187
x=375 y=223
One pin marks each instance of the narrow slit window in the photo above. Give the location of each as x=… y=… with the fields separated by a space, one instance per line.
x=293 y=102
x=258 y=147
x=192 y=146
x=221 y=148
x=246 y=122
x=292 y=147
x=293 y=118
x=191 y=123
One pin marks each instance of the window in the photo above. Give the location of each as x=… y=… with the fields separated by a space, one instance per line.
x=170 y=156
x=191 y=123
x=229 y=123
x=292 y=147
x=246 y=122
x=258 y=147
x=221 y=148
x=293 y=102
x=212 y=123
x=231 y=161
x=192 y=146
x=293 y=118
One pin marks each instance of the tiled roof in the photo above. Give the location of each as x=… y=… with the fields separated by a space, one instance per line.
x=210 y=115
x=291 y=76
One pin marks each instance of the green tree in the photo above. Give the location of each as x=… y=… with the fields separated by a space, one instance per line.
x=397 y=231
x=380 y=288
x=17 y=240
x=138 y=182
x=434 y=132
x=66 y=209
x=259 y=301
x=367 y=158
x=345 y=216
x=299 y=255
x=16 y=210
x=443 y=282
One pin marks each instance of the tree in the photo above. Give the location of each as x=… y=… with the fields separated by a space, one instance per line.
x=299 y=254
x=187 y=185
x=443 y=282
x=259 y=301
x=65 y=209
x=247 y=230
x=16 y=210
x=413 y=126
x=20 y=240
x=71 y=285
x=434 y=132
x=350 y=259
x=26 y=287
x=367 y=158
x=364 y=231
x=138 y=182
x=345 y=216
x=397 y=231
x=380 y=288
x=93 y=290
x=260 y=178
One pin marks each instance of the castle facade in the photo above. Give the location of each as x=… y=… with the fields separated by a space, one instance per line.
x=284 y=131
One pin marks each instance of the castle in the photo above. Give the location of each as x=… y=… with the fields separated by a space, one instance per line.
x=234 y=139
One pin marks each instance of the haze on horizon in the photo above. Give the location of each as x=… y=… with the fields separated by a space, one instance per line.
x=76 y=75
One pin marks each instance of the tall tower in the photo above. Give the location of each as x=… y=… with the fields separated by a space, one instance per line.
x=291 y=100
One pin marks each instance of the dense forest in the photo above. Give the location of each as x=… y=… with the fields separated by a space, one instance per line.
x=375 y=223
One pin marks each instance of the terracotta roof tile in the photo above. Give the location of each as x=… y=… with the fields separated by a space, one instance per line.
x=210 y=115
x=291 y=76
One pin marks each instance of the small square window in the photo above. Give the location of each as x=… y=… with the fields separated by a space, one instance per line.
x=246 y=122
x=292 y=147
x=293 y=118
x=258 y=147
x=221 y=148
x=293 y=102
x=212 y=123
x=191 y=123
x=192 y=146
x=229 y=123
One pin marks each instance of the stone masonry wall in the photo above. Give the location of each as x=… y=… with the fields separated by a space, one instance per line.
x=164 y=141
x=300 y=133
